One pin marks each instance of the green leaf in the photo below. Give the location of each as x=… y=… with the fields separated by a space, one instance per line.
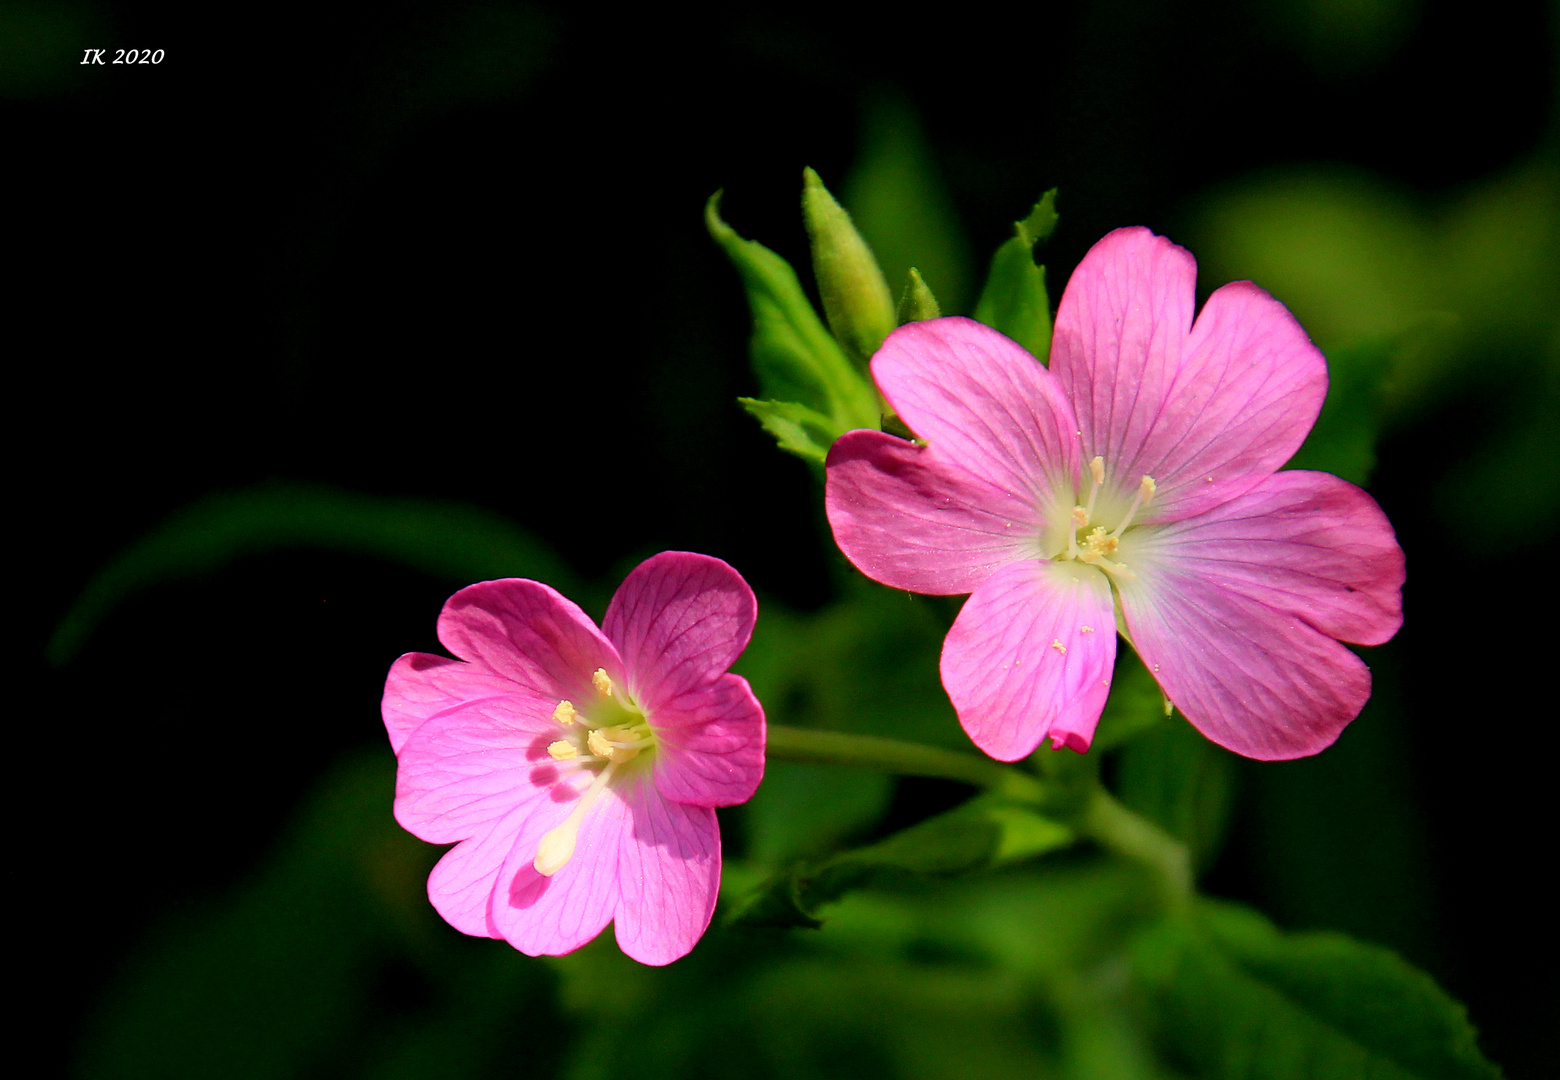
x=794 y=357
x=802 y=431
x=1040 y=223
x=917 y=304
x=1014 y=300
x=1233 y=997
x=458 y=543
x=985 y=832
x=855 y=297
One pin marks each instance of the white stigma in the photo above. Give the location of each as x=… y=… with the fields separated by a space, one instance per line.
x=556 y=847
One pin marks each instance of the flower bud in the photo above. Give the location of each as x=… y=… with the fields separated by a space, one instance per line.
x=856 y=300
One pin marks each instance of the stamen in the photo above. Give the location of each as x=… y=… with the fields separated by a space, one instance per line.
x=1145 y=493
x=563 y=750
x=556 y=847
x=602 y=682
x=564 y=713
x=1080 y=518
x=1097 y=471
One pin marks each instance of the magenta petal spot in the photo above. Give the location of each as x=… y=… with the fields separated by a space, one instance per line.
x=575 y=770
x=1136 y=480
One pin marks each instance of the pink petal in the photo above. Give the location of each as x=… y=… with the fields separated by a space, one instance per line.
x=530 y=634
x=462 y=884
x=1205 y=410
x=984 y=404
x=1259 y=681
x=1304 y=543
x=1030 y=656
x=679 y=620
x=710 y=744
x=915 y=523
x=421 y=685
x=668 y=876
x=473 y=764
x=550 y=916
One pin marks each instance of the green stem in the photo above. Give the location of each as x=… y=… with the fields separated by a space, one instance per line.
x=1120 y=831
x=903 y=758
x=1098 y=815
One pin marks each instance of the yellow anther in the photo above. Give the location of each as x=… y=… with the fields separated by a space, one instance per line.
x=597 y=741
x=563 y=750
x=1080 y=517
x=1056 y=643
x=1097 y=470
x=602 y=682
x=564 y=713
x=1146 y=489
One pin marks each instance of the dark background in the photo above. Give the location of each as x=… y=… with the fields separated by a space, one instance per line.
x=455 y=251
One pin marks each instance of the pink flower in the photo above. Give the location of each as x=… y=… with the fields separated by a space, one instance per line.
x=576 y=769
x=1132 y=485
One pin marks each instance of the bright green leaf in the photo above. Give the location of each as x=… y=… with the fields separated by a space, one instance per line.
x=1233 y=997
x=802 y=431
x=985 y=832
x=794 y=357
x=1041 y=222
x=458 y=543
x=1014 y=300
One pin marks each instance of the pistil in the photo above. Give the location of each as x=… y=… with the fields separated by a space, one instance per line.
x=556 y=847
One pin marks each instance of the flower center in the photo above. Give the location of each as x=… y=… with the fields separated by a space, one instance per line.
x=609 y=731
x=1097 y=546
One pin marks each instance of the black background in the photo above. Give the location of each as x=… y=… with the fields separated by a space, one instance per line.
x=456 y=251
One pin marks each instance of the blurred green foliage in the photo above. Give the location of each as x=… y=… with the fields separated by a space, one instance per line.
x=452 y=541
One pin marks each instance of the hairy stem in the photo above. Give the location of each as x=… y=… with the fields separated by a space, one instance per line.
x=1092 y=810
x=1121 y=832
x=902 y=758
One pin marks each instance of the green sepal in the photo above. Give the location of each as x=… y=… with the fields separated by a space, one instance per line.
x=986 y=832
x=1231 y=996
x=856 y=300
x=1014 y=300
x=795 y=358
x=917 y=304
